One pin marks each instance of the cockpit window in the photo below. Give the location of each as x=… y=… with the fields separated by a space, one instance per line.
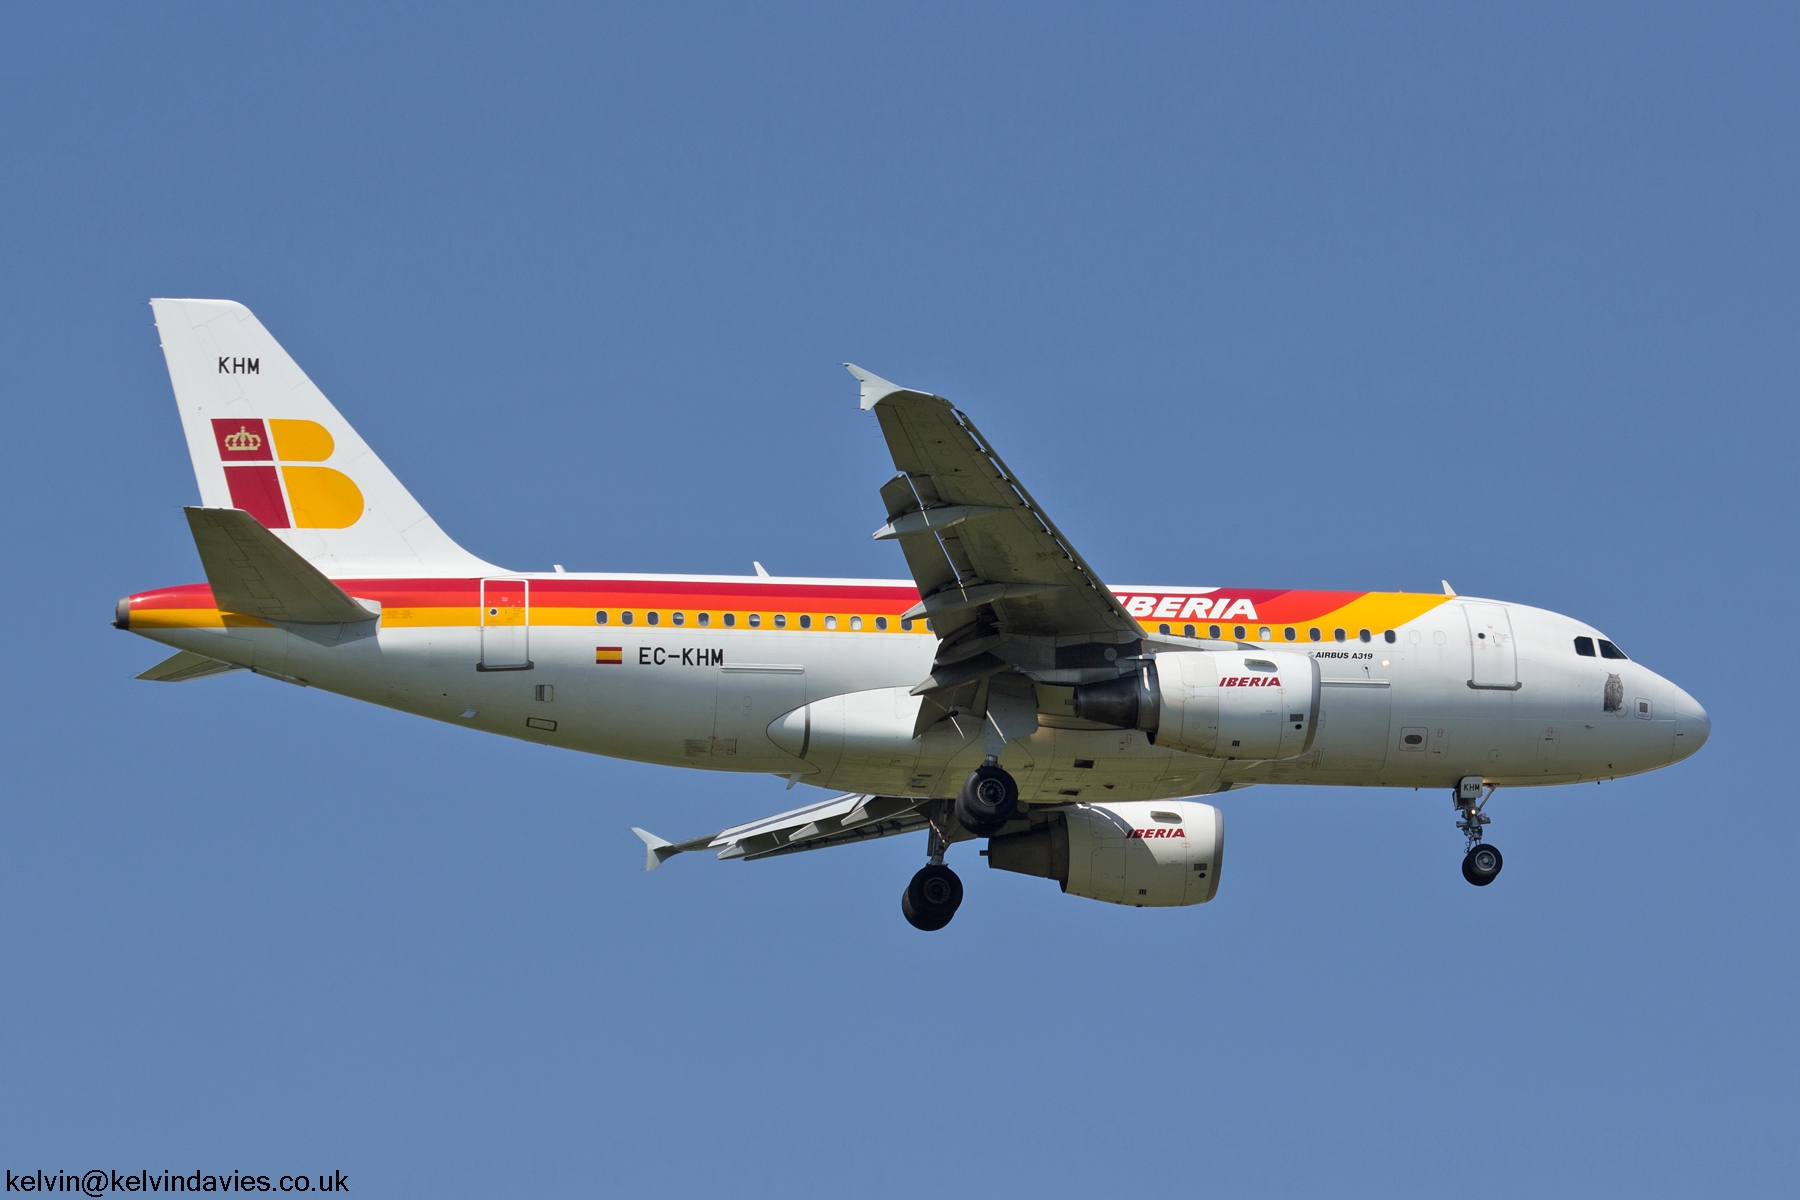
x=1608 y=650
x=1584 y=646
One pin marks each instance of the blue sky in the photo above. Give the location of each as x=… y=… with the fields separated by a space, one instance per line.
x=1258 y=295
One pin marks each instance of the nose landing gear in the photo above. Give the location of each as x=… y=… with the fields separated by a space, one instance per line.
x=1482 y=863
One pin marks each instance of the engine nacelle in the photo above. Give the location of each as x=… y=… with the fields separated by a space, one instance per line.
x=1148 y=853
x=1257 y=704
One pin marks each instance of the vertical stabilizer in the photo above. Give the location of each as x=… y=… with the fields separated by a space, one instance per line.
x=265 y=440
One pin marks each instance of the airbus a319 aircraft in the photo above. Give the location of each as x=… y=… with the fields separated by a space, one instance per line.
x=1003 y=692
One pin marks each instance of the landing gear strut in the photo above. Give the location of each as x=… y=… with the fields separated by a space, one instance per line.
x=1482 y=863
x=988 y=799
x=935 y=893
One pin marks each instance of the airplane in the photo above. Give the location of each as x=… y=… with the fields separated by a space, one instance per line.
x=1004 y=692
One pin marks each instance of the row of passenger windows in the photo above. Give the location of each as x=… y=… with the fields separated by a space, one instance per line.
x=1288 y=633
x=1584 y=646
x=753 y=620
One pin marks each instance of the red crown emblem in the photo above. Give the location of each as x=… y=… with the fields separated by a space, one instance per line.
x=243 y=440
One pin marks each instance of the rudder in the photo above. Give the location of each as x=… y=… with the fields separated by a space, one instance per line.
x=264 y=439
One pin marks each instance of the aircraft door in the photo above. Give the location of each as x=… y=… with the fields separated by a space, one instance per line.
x=1494 y=659
x=505 y=625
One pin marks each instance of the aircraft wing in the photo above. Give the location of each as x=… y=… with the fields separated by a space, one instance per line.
x=835 y=822
x=1002 y=587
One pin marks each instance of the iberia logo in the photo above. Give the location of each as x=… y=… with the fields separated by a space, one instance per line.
x=287 y=491
x=243 y=441
x=1159 y=831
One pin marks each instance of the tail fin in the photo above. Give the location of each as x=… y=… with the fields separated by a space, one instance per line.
x=265 y=440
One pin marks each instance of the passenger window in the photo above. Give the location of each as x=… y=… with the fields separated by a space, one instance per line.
x=781 y=620
x=855 y=624
x=1237 y=631
x=677 y=618
x=600 y=617
x=1162 y=629
x=1389 y=635
x=1212 y=631
x=625 y=617
x=652 y=618
x=881 y=622
x=1584 y=646
x=1362 y=635
x=730 y=620
x=1263 y=633
x=1187 y=631
x=1313 y=634
x=756 y=620
x=906 y=624
x=703 y=620
x=1608 y=650
x=1288 y=633
x=1337 y=635
x=805 y=621
x=831 y=622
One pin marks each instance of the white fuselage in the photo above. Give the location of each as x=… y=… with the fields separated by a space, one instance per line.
x=1399 y=714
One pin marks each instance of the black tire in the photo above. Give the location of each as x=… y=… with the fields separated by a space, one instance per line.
x=1482 y=864
x=988 y=800
x=932 y=898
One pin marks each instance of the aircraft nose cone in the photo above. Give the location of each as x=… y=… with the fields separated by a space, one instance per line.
x=1692 y=726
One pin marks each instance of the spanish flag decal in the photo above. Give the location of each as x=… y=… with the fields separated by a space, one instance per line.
x=609 y=654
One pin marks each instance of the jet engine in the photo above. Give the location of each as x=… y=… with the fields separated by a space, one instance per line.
x=1147 y=853
x=1258 y=704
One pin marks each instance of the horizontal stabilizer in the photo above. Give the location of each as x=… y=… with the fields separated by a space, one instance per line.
x=256 y=573
x=185 y=666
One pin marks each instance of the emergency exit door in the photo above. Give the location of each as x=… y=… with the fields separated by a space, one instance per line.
x=505 y=625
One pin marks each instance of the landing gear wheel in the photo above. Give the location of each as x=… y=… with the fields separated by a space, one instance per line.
x=1482 y=864
x=988 y=800
x=932 y=898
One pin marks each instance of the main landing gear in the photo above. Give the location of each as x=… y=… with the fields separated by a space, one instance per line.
x=1482 y=863
x=935 y=893
x=988 y=800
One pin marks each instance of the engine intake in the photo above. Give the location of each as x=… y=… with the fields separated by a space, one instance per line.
x=1257 y=704
x=1147 y=853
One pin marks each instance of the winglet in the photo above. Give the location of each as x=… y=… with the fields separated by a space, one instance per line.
x=656 y=851
x=874 y=387
x=1448 y=590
